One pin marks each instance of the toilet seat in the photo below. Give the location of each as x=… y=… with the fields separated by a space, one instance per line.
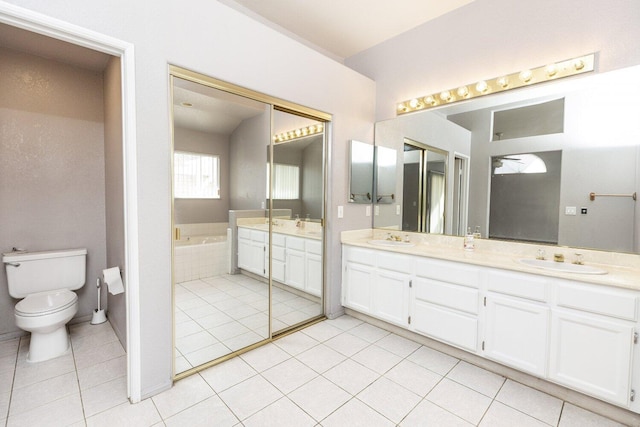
x=45 y=303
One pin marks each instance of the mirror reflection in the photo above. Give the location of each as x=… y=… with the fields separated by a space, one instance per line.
x=584 y=131
x=248 y=216
x=297 y=187
x=360 y=172
x=219 y=169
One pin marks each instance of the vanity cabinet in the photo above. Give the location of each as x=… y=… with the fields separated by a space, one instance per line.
x=391 y=282
x=444 y=302
x=580 y=335
x=278 y=257
x=252 y=251
x=295 y=261
x=592 y=340
x=517 y=321
x=295 y=264
x=313 y=267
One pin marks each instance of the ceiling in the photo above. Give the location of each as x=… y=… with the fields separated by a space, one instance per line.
x=47 y=47
x=343 y=28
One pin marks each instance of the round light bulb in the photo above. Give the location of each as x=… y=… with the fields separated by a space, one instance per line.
x=503 y=82
x=482 y=86
x=463 y=92
x=526 y=76
x=578 y=64
x=312 y=129
x=414 y=103
x=319 y=127
x=298 y=132
x=445 y=95
x=430 y=100
x=552 y=70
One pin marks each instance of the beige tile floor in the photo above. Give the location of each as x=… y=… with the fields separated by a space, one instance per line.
x=338 y=372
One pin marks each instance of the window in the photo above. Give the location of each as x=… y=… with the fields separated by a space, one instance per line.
x=196 y=176
x=286 y=181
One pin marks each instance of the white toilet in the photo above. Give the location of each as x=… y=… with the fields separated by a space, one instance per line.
x=45 y=281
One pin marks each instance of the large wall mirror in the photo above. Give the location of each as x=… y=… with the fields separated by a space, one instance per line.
x=556 y=163
x=248 y=218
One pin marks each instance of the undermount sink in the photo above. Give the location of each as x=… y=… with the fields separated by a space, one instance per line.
x=562 y=267
x=384 y=242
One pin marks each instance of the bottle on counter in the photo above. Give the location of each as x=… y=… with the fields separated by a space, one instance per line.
x=469 y=243
x=476 y=233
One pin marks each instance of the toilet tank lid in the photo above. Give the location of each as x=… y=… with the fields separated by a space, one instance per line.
x=32 y=256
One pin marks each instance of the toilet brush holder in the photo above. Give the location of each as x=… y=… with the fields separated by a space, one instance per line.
x=98 y=317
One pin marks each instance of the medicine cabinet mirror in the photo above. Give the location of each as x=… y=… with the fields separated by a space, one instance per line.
x=360 y=172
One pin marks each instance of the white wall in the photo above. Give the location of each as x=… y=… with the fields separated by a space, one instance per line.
x=213 y=39
x=488 y=38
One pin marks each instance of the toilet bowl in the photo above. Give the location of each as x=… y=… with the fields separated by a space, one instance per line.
x=45 y=315
x=44 y=282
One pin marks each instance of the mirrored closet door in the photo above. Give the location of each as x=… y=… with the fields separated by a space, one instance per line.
x=248 y=216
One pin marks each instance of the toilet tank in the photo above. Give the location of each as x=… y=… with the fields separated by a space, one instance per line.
x=31 y=272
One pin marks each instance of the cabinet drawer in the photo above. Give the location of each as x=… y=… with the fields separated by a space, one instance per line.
x=314 y=246
x=451 y=272
x=278 y=253
x=296 y=243
x=597 y=299
x=445 y=294
x=278 y=239
x=518 y=284
x=244 y=233
x=258 y=236
x=394 y=262
x=358 y=255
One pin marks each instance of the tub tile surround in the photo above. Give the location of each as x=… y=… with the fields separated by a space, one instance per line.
x=623 y=269
x=298 y=380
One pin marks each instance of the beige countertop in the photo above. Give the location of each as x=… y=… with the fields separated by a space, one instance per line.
x=308 y=230
x=623 y=270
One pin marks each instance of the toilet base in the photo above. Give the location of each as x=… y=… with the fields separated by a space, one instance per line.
x=48 y=345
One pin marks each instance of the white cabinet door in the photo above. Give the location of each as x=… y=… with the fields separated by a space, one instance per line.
x=592 y=354
x=294 y=269
x=356 y=287
x=516 y=333
x=313 y=271
x=244 y=254
x=390 y=300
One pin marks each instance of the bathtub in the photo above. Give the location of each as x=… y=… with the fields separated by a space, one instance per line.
x=200 y=256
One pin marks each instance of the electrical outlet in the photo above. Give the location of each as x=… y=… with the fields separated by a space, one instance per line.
x=570 y=210
x=583 y=211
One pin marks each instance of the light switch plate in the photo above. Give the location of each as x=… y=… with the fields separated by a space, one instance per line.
x=570 y=210
x=340 y=211
x=367 y=210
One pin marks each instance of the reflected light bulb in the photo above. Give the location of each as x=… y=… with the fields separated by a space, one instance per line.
x=445 y=95
x=482 y=86
x=298 y=132
x=319 y=127
x=526 y=76
x=430 y=100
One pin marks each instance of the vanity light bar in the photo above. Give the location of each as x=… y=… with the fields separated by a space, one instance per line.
x=558 y=70
x=298 y=133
